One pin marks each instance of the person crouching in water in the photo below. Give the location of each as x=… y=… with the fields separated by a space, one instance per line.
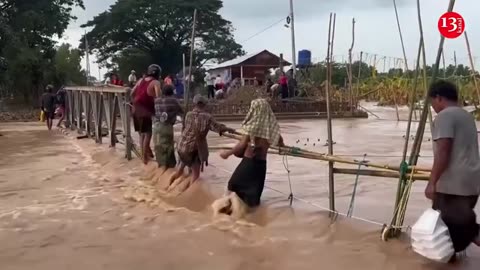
x=144 y=94
x=192 y=146
x=167 y=109
x=261 y=130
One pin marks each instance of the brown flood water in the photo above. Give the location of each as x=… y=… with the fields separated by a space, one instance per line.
x=63 y=206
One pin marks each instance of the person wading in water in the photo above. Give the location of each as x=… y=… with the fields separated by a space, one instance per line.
x=261 y=130
x=144 y=94
x=454 y=184
x=192 y=147
x=167 y=109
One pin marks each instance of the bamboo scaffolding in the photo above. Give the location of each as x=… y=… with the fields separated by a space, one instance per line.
x=420 y=130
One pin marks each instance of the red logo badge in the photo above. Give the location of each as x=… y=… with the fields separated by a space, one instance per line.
x=451 y=25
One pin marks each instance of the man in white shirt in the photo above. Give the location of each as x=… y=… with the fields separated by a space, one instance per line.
x=132 y=79
x=210 y=80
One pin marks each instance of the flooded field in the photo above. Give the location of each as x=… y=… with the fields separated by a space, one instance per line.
x=62 y=206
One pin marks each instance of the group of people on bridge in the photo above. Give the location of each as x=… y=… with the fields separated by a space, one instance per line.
x=155 y=112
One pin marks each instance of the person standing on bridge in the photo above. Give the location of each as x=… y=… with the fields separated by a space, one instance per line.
x=144 y=94
x=132 y=79
x=261 y=130
x=192 y=147
x=454 y=185
x=167 y=109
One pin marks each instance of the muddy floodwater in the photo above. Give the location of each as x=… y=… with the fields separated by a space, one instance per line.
x=63 y=205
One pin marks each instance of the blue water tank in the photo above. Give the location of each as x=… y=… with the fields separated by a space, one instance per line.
x=304 y=58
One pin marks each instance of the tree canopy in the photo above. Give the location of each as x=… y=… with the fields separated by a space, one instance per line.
x=27 y=47
x=135 y=33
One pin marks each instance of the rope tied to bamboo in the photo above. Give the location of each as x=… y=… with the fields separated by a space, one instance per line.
x=401 y=209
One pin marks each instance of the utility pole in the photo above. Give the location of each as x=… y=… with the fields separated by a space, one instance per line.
x=192 y=49
x=292 y=28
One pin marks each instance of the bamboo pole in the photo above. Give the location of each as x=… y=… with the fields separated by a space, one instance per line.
x=297 y=152
x=412 y=103
x=350 y=70
x=358 y=78
x=331 y=179
x=379 y=173
x=472 y=66
x=192 y=48
x=443 y=64
x=400 y=33
x=423 y=119
x=424 y=59
x=426 y=108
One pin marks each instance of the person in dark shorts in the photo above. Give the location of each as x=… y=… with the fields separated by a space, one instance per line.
x=144 y=94
x=454 y=185
x=48 y=102
x=167 y=109
x=261 y=130
x=192 y=147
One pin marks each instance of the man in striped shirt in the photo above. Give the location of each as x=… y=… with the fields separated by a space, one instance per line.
x=167 y=109
x=192 y=147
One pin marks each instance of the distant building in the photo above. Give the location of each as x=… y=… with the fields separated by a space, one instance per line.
x=249 y=69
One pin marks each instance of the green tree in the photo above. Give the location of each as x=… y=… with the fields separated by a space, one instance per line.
x=28 y=49
x=159 y=31
x=66 y=67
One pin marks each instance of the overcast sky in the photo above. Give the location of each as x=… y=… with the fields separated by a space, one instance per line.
x=376 y=28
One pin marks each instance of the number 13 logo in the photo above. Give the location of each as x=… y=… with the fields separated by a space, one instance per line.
x=451 y=25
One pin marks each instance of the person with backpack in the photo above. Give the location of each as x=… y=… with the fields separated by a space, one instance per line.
x=144 y=94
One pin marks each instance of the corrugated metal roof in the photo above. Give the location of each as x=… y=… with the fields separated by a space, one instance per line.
x=235 y=61
x=240 y=60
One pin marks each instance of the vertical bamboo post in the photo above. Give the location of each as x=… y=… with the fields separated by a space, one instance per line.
x=424 y=59
x=358 y=80
x=331 y=179
x=472 y=65
x=128 y=126
x=443 y=64
x=192 y=48
x=426 y=108
x=455 y=75
x=423 y=119
x=350 y=70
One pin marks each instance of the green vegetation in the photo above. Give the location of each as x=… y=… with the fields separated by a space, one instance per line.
x=388 y=88
x=29 y=58
x=134 y=34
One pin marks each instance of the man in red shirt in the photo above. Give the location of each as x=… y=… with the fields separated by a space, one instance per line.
x=144 y=94
x=283 y=81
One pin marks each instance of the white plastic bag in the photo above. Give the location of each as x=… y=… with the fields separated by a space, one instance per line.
x=430 y=237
